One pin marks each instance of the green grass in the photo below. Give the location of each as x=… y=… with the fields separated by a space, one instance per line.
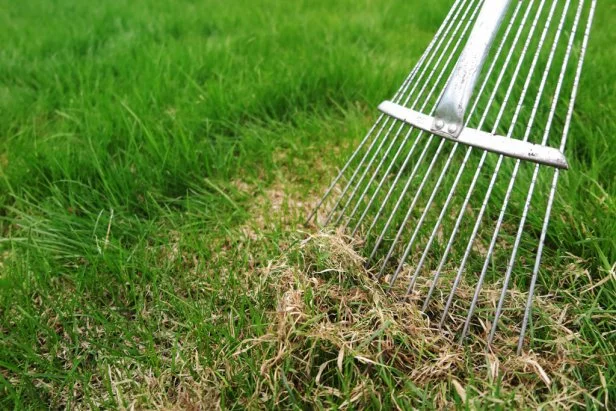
x=157 y=157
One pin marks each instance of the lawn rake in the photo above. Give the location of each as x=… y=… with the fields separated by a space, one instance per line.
x=456 y=180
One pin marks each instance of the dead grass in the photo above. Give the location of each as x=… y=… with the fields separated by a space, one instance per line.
x=332 y=319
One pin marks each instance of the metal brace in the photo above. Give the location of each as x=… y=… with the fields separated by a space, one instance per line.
x=449 y=117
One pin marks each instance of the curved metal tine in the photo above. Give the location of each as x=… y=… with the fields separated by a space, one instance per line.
x=393 y=185
x=401 y=146
x=343 y=170
x=402 y=125
x=365 y=168
x=516 y=168
x=433 y=52
x=384 y=177
x=453 y=151
x=419 y=161
x=495 y=175
x=407 y=216
x=518 y=238
x=385 y=156
x=379 y=137
x=397 y=97
x=471 y=188
x=548 y=210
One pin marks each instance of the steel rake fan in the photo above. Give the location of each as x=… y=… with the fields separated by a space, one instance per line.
x=455 y=182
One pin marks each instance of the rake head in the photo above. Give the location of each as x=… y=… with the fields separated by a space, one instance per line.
x=455 y=182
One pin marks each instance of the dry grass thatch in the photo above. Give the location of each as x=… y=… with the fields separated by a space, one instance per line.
x=335 y=325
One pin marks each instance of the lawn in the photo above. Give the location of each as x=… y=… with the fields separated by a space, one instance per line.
x=157 y=162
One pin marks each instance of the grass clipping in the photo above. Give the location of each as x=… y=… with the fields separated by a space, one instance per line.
x=338 y=338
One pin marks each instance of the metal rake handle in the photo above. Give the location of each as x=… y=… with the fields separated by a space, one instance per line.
x=448 y=120
x=449 y=114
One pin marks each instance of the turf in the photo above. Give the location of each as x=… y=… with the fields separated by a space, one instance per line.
x=156 y=162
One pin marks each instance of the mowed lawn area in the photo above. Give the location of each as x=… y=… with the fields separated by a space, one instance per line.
x=157 y=162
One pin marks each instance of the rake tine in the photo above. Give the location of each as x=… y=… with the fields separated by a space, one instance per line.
x=466 y=157
x=400 y=198
x=394 y=184
x=410 y=210
x=423 y=215
x=446 y=30
x=397 y=96
x=496 y=125
x=342 y=171
x=391 y=164
x=419 y=161
x=393 y=187
x=385 y=175
x=384 y=178
x=535 y=173
x=374 y=175
x=515 y=172
x=496 y=172
x=548 y=211
x=378 y=137
x=376 y=153
x=358 y=184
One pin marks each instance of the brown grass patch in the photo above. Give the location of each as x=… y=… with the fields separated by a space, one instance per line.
x=335 y=325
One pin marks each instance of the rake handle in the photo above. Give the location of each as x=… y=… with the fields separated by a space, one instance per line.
x=451 y=109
